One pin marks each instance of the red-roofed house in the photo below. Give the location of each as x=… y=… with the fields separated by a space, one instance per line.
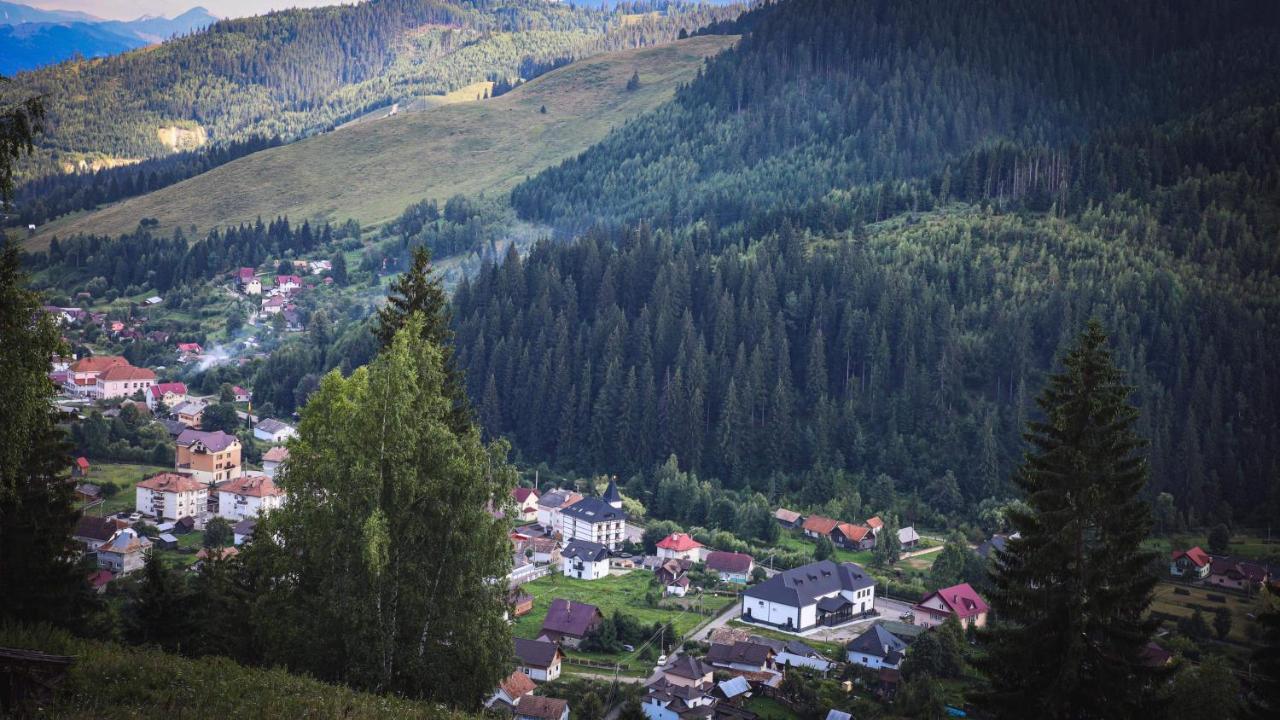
x=123 y=381
x=856 y=537
x=241 y=394
x=1194 y=563
x=527 y=502
x=288 y=282
x=680 y=546
x=190 y=348
x=81 y=468
x=171 y=394
x=875 y=523
x=818 y=526
x=510 y=690
x=248 y=497
x=82 y=375
x=98 y=580
x=170 y=496
x=961 y=600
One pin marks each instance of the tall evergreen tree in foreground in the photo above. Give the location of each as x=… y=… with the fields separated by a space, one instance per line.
x=39 y=572
x=419 y=291
x=1070 y=594
x=380 y=570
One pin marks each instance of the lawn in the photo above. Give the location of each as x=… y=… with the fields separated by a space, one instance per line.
x=1168 y=602
x=616 y=592
x=769 y=709
x=795 y=543
x=1244 y=545
x=124 y=475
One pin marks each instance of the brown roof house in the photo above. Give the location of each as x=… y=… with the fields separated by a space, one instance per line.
x=788 y=518
x=730 y=566
x=510 y=690
x=818 y=526
x=124 y=553
x=535 y=707
x=567 y=622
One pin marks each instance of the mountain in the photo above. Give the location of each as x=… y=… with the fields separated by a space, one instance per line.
x=467 y=147
x=32 y=38
x=158 y=29
x=31 y=45
x=14 y=14
x=839 y=263
x=295 y=73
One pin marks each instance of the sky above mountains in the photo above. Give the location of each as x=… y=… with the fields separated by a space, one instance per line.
x=130 y=9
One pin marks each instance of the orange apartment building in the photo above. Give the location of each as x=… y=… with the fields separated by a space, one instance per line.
x=208 y=456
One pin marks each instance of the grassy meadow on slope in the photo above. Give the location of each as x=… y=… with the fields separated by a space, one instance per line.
x=372 y=171
x=114 y=681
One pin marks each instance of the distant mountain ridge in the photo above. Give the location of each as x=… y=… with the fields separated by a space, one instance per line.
x=31 y=37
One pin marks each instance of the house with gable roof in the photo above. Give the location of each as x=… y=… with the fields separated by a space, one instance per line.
x=551 y=504
x=961 y=600
x=526 y=500
x=568 y=621
x=171 y=394
x=732 y=567
x=1192 y=564
x=876 y=648
x=510 y=690
x=585 y=560
x=273 y=459
x=816 y=526
x=854 y=537
x=124 y=553
x=680 y=546
x=536 y=707
x=820 y=593
x=539 y=659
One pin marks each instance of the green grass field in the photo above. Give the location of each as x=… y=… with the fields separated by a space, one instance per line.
x=616 y=592
x=372 y=171
x=125 y=475
x=1169 y=602
x=114 y=682
x=769 y=709
x=1243 y=544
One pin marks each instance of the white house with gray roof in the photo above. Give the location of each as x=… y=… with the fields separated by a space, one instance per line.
x=820 y=593
x=585 y=560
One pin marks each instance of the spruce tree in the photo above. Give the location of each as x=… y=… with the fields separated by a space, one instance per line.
x=157 y=612
x=39 y=570
x=1070 y=594
x=419 y=290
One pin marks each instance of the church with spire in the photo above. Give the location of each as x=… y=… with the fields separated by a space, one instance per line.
x=596 y=519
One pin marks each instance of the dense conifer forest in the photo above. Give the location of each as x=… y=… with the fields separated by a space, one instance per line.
x=852 y=246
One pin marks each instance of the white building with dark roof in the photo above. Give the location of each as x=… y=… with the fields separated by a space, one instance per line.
x=820 y=593
x=585 y=560
x=598 y=520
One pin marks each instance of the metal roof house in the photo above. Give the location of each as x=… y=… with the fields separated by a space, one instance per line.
x=820 y=593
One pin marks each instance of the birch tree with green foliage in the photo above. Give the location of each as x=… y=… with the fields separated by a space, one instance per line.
x=385 y=569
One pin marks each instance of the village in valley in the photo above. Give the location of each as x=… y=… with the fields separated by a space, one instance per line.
x=603 y=600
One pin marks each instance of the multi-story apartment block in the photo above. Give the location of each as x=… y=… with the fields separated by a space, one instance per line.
x=170 y=496
x=208 y=456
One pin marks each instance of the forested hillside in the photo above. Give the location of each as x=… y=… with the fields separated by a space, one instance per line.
x=829 y=93
x=297 y=72
x=865 y=233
